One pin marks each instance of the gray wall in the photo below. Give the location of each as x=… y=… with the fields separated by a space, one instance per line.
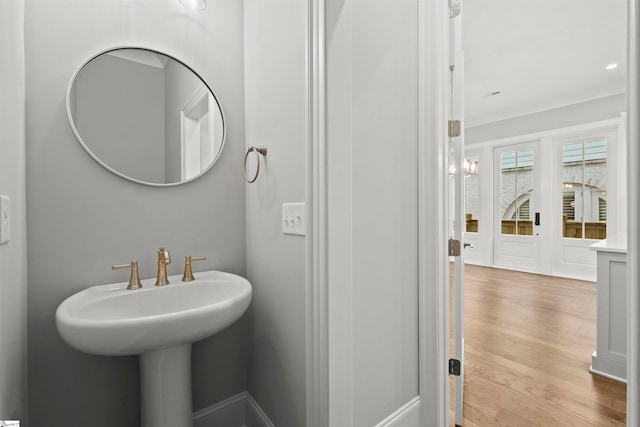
x=385 y=206
x=120 y=109
x=276 y=116
x=585 y=112
x=13 y=260
x=83 y=219
x=372 y=121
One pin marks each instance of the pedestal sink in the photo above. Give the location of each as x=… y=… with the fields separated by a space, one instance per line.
x=159 y=323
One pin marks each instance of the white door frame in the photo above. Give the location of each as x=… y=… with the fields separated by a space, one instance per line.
x=434 y=274
x=317 y=230
x=433 y=175
x=633 y=207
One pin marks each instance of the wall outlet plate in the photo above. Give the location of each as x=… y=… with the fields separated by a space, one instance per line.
x=294 y=218
x=5 y=216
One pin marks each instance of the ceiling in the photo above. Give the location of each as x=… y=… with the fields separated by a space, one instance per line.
x=540 y=54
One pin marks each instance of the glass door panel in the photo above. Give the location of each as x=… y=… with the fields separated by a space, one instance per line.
x=516 y=189
x=471 y=194
x=509 y=224
x=584 y=190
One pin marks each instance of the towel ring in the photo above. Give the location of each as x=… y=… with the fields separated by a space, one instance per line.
x=258 y=150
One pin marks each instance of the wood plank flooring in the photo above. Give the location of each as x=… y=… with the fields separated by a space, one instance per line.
x=528 y=345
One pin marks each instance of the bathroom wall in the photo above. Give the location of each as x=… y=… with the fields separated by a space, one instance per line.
x=13 y=260
x=372 y=87
x=82 y=219
x=276 y=116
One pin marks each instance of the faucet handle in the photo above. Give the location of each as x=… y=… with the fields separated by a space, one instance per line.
x=134 y=279
x=164 y=255
x=188 y=273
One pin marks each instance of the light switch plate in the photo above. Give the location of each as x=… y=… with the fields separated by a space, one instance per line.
x=5 y=223
x=294 y=218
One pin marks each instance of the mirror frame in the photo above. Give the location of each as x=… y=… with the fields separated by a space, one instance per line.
x=105 y=165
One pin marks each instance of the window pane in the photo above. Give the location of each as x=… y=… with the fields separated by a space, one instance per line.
x=524 y=188
x=595 y=215
x=508 y=213
x=595 y=150
x=471 y=194
x=508 y=173
x=602 y=208
x=569 y=205
x=570 y=227
x=525 y=222
x=584 y=205
x=516 y=176
x=525 y=158
x=524 y=177
x=524 y=207
x=572 y=153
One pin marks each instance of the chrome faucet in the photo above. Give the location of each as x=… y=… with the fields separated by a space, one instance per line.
x=163 y=259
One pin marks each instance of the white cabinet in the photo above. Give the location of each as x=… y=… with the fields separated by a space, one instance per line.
x=610 y=357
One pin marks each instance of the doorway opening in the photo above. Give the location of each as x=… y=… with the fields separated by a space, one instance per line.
x=540 y=216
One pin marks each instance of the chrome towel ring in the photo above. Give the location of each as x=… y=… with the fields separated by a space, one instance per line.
x=258 y=150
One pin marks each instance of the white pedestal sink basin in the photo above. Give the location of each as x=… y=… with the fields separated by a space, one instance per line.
x=159 y=323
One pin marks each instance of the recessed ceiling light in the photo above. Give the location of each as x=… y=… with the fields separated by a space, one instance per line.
x=194 y=4
x=612 y=66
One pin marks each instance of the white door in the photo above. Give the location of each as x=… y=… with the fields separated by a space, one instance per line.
x=457 y=210
x=517 y=217
x=456 y=183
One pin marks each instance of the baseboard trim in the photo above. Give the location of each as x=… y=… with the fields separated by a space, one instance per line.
x=608 y=368
x=606 y=375
x=257 y=410
x=242 y=403
x=404 y=416
x=217 y=407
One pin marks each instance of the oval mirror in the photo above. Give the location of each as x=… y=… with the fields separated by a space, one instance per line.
x=145 y=116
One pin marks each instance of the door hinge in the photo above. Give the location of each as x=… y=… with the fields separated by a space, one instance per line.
x=454 y=247
x=454 y=128
x=454 y=367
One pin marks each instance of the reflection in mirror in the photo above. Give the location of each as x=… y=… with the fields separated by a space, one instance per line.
x=146 y=116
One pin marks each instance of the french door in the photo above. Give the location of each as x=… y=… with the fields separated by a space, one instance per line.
x=517 y=218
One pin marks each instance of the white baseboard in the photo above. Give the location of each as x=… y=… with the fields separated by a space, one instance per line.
x=608 y=368
x=240 y=410
x=255 y=411
x=406 y=416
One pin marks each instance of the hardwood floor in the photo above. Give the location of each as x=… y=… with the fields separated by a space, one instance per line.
x=528 y=345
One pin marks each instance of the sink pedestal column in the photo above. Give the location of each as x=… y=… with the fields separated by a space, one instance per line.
x=165 y=387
